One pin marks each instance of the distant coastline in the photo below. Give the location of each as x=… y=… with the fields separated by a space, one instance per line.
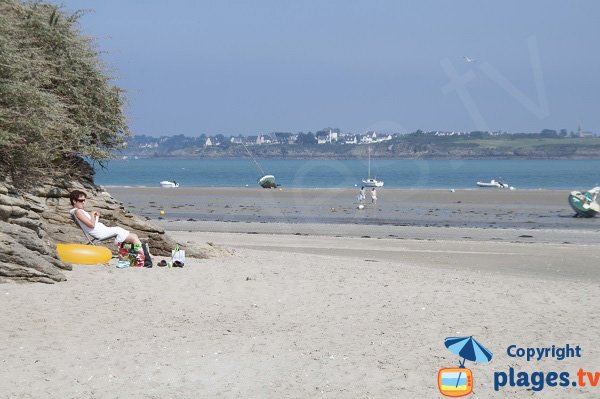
x=409 y=146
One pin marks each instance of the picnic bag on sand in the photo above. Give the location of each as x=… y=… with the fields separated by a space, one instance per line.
x=178 y=257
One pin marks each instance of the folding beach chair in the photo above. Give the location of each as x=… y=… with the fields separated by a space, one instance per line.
x=91 y=240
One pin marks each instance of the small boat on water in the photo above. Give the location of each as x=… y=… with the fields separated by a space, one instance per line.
x=370 y=181
x=169 y=184
x=584 y=202
x=493 y=183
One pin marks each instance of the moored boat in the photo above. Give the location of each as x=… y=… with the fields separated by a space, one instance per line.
x=584 y=202
x=267 y=181
x=370 y=181
x=169 y=184
x=493 y=183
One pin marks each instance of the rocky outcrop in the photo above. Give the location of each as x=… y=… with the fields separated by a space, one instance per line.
x=33 y=221
x=27 y=256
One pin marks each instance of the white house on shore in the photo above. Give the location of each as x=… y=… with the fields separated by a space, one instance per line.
x=370 y=137
x=351 y=139
x=324 y=137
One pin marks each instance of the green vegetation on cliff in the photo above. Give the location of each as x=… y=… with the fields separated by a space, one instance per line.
x=57 y=104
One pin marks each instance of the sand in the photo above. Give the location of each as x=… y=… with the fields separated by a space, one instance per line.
x=309 y=309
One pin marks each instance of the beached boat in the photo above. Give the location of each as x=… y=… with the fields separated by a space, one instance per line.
x=493 y=183
x=267 y=181
x=169 y=184
x=584 y=202
x=370 y=181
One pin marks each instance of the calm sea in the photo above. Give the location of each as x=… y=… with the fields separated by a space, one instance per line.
x=526 y=174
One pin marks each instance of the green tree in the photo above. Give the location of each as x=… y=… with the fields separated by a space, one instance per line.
x=57 y=104
x=306 y=138
x=479 y=134
x=221 y=139
x=548 y=133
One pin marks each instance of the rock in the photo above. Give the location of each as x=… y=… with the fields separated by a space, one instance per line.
x=32 y=222
x=28 y=262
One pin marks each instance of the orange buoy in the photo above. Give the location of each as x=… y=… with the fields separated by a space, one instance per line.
x=83 y=254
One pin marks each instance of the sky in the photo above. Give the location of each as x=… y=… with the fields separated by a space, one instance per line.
x=251 y=67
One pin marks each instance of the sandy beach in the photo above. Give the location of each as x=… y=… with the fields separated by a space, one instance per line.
x=310 y=301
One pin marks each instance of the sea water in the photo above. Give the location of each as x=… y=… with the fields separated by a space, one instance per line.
x=442 y=174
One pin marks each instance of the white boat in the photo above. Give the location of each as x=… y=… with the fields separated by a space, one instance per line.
x=267 y=181
x=369 y=181
x=372 y=183
x=584 y=202
x=493 y=183
x=169 y=184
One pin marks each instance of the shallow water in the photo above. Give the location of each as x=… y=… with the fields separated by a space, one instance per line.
x=546 y=174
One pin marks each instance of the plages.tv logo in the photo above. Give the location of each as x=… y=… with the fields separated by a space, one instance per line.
x=458 y=381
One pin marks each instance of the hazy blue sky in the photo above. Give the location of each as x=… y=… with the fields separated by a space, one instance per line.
x=193 y=67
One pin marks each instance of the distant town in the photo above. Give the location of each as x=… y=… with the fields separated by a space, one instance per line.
x=336 y=136
x=334 y=143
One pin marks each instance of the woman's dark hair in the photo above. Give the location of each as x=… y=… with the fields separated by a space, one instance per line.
x=74 y=196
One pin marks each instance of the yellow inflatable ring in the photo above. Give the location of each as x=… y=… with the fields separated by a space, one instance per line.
x=83 y=254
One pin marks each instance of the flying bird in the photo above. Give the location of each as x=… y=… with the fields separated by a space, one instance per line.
x=469 y=60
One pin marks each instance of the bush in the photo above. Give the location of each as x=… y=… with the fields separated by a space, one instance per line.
x=56 y=101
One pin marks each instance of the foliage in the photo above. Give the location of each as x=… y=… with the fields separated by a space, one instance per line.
x=57 y=104
x=306 y=139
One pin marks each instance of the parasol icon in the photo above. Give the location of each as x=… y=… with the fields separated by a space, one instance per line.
x=469 y=349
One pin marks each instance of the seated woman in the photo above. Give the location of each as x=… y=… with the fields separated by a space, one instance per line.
x=91 y=225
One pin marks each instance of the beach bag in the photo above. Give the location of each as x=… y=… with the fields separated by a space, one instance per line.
x=132 y=253
x=178 y=257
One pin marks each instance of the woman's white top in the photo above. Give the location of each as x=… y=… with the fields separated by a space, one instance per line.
x=99 y=230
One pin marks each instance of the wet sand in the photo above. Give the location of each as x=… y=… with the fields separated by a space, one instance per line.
x=493 y=208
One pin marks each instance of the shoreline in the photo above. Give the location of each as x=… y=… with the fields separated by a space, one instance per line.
x=252 y=187
x=483 y=209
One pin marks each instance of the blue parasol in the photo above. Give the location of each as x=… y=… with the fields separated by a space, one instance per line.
x=469 y=349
